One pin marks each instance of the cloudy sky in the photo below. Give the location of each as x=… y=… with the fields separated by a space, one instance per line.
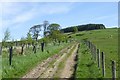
x=18 y=17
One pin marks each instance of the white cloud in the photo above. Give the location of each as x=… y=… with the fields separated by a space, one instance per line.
x=19 y=15
x=24 y=17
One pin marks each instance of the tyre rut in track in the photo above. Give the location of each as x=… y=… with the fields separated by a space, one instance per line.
x=50 y=71
x=43 y=66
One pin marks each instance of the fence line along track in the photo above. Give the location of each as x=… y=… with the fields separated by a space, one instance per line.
x=99 y=57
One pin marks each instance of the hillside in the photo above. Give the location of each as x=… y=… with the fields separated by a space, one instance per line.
x=83 y=64
x=106 y=40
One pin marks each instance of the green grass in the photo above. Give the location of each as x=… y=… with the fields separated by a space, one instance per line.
x=86 y=67
x=0 y=67
x=107 y=41
x=22 y=64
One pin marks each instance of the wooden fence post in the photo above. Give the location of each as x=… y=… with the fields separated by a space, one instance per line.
x=0 y=49
x=103 y=64
x=34 y=48
x=22 y=48
x=113 y=70
x=98 y=54
x=10 y=55
x=92 y=48
x=95 y=50
x=42 y=46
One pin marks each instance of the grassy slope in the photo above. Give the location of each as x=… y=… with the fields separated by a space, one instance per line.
x=86 y=67
x=0 y=67
x=107 y=41
x=22 y=64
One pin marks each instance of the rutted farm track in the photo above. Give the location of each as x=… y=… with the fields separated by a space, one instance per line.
x=51 y=67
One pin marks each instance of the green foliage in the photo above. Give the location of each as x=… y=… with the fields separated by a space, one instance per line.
x=6 y=35
x=83 y=27
x=54 y=32
x=75 y=29
x=29 y=38
x=23 y=40
x=6 y=38
x=35 y=30
x=53 y=26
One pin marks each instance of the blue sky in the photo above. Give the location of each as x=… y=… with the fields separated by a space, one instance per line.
x=20 y=16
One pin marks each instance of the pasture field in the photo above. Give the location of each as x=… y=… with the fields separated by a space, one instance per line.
x=21 y=64
x=107 y=41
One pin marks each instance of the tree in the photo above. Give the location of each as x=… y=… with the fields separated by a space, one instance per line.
x=54 y=31
x=60 y=38
x=35 y=31
x=6 y=35
x=55 y=35
x=29 y=39
x=45 y=25
x=75 y=29
x=53 y=26
x=84 y=27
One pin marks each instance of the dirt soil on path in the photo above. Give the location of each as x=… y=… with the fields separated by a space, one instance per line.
x=40 y=68
x=49 y=67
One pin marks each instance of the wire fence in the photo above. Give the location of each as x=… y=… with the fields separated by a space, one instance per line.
x=99 y=57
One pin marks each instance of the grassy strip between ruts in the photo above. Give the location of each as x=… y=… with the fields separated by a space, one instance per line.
x=86 y=66
x=22 y=64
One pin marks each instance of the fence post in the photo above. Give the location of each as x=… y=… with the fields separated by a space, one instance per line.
x=0 y=49
x=92 y=48
x=10 y=55
x=95 y=50
x=98 y=54
x=113 y=70
x=42 y=46
x=103 y=64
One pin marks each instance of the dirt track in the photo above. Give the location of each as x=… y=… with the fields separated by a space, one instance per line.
x=49 y=67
